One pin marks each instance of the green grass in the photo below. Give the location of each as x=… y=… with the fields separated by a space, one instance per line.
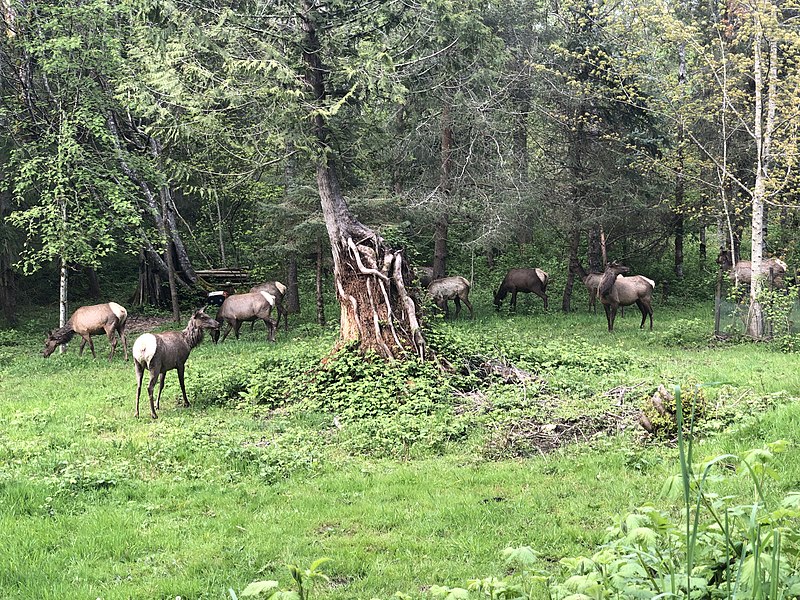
x=97 y=504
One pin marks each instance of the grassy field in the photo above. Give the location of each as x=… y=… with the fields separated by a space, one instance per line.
x=97 y=504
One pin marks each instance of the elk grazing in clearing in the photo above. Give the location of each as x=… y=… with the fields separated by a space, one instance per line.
x=278 y=290
x=522 y=280
x=88 y=320
x=239 y=308
x=425 y=275
x=616 y=291
x=591 y=281
x=742 y=271
x=450 y=288
x=161 y=352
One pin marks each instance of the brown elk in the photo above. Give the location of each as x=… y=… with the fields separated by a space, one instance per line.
x=450 y=288
x=425 y=275
x=616 y=291
x=278 y=290
x=161 y=352
x=240 y=308
x=742 y=271
x=522 y=280
x=591 y=281
x=88 y=320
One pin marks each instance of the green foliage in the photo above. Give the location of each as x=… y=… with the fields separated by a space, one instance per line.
x=685 y=333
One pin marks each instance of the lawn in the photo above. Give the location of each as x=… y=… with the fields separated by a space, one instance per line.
x=97 y=504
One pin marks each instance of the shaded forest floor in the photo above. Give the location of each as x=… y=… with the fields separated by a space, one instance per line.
x=97 y=504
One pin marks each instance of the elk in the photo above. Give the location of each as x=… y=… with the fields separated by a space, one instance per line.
x=425 y=275
x=450 y=288
x=743 y=269
x=88 y=320
x=591 y=281
x=522 y=280
x=162 y=352
x=616 y=291
x=239 y=308
x=278 y=290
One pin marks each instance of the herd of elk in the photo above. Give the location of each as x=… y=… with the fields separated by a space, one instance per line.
x=161 y=352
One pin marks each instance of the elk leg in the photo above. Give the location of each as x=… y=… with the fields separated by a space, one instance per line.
x=227 y=331
x=513 y=305
x=180 y=369
x=150 y=385
x=457 y=302
x=83 y=345
x=469 y=306
x=112 y=340
x=543 y=296
x=139 y=374
x=271 y=327
x=237 y=324
x=160 y=389
x=91 y=346
x=643 y=311
x=609 y=318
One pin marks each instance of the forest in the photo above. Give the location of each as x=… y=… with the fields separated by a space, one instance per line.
x=372 y=183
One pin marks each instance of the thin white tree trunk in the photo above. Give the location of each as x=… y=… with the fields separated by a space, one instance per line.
x=62 y=297
x=755 y=320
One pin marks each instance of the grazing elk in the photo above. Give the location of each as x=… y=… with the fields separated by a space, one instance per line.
x=616 y=291
x=591 y=281
x=88 y=320
x=742 y=271
x=161 y=352
x=450 y=288
x=278 y=290
x=522 y=280
x=239 y=308
x=425 y=275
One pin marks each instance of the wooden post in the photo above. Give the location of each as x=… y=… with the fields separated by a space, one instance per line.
x=718 y=302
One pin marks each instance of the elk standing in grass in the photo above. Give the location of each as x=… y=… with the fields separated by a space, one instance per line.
x=522 y=280
x=616 y=291
x=87 y=320
x=592 y=283
x=278 y=291
x=239 y=308
x=742 y=271
x=450 y=288
x=161 y=352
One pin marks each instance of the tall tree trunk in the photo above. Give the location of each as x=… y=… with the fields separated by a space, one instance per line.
x=755 y=318
x=679 y=182
x=320 y=295
x=442 y=220
x=63 y=309
x=8 y=279
x=574 y=243
x=679 y=235
x=703 y=247
x=370 y=278
x=93 y=282
x=168 y=249
x=594 y=252
x=292 y=299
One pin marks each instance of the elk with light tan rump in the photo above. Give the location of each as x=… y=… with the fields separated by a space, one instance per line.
x=161 y=352
x=88 y=320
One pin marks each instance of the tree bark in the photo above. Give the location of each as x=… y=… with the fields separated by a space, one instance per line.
x=755 y=317
x=320 y=296
x=370 y=278
x=574 y=244
x=442 y=220
x=292 y=300
x=93 y=283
